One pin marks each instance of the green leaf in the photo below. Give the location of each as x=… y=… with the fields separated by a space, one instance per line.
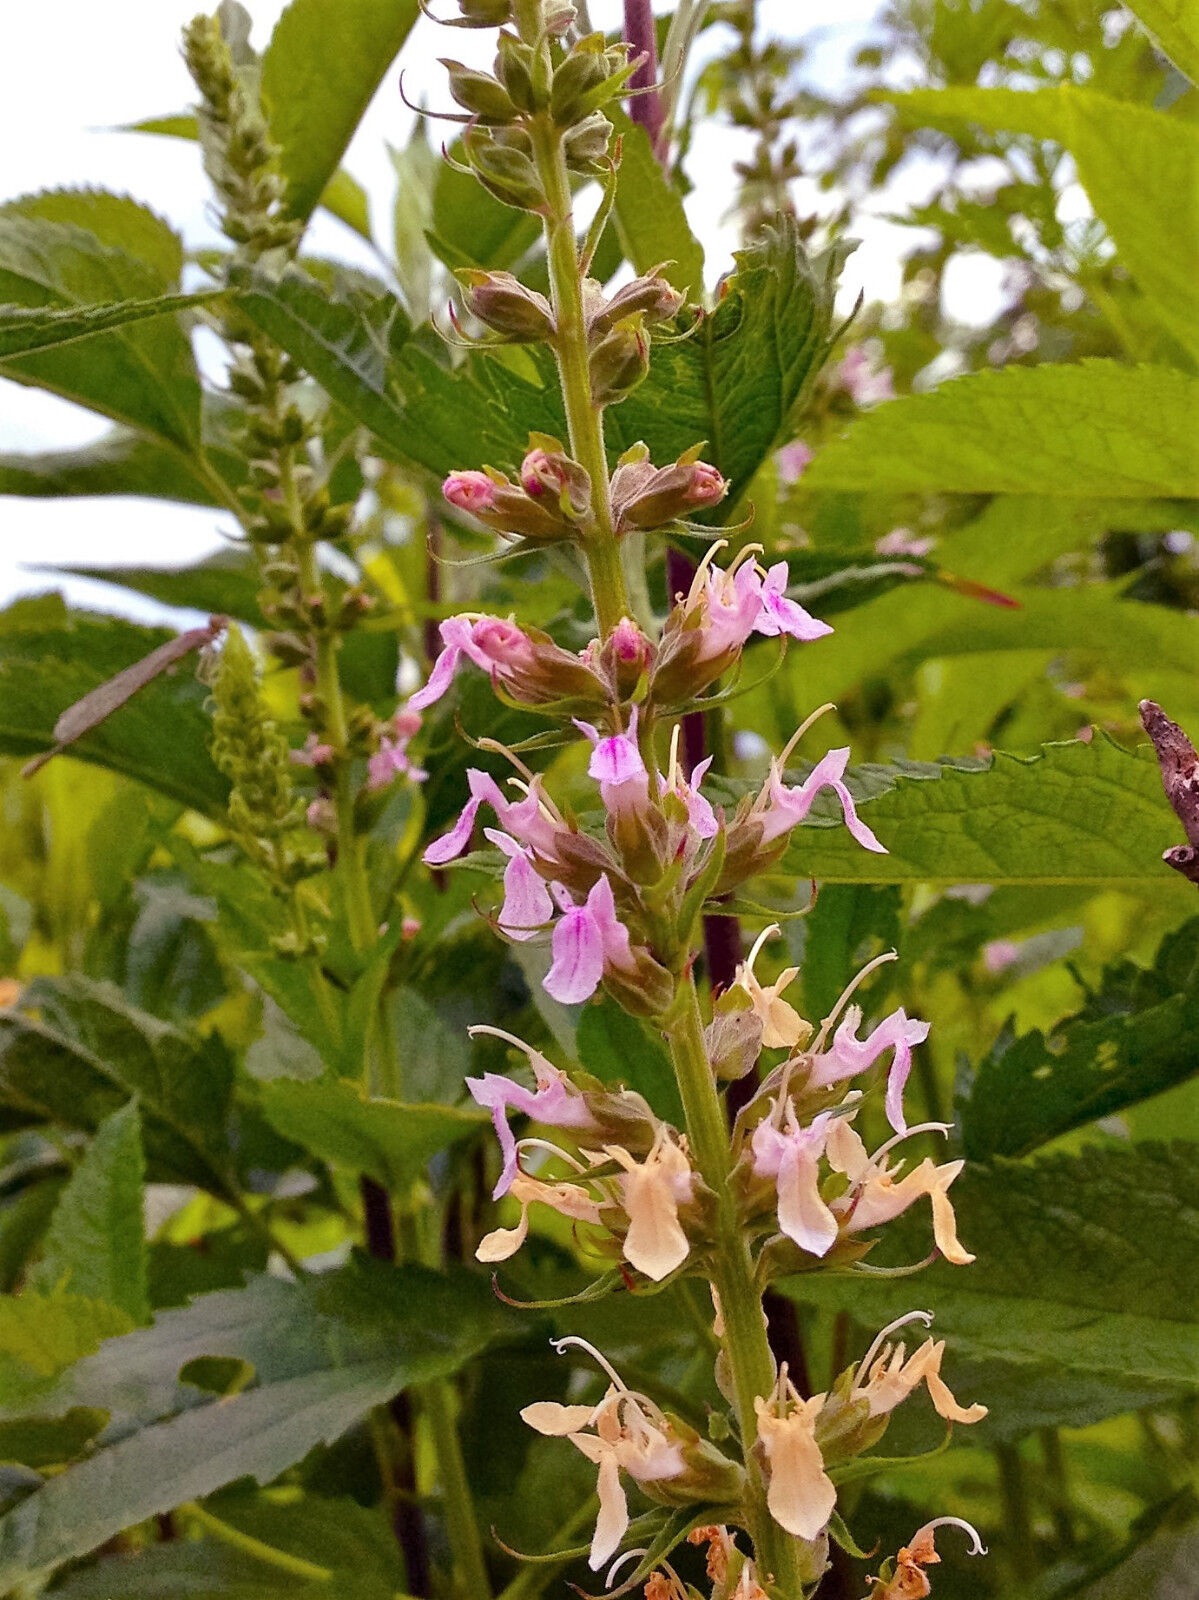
x=1175 y=26
x=96 y=1243
x=1151 y=646
x=205 y=1569
x=41 y=1336
x=324 y=1353
x=385 y=1139
x=650 y=219
x=471 y=228
x=225 y=583
x=24 y=329
x=320 y=71
x=1137 y=1035
x=122 y=462
x=81 y=1050
x=737 y=381
x=142 y=373
x=620 y=1049
x=116 y=220
x=1133 y=162
x=1063 y=1317
x=1075 y=813
x=160 y=737
x=1092 y=429
x=48 y=1441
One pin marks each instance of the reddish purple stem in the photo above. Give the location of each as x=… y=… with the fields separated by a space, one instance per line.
x=639 y=32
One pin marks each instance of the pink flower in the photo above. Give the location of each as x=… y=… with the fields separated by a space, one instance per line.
x=791 y=1155
x=701 y=818
x=469 y=491
x=588 y=938
x=391 y=760
x=458 y=640
x=780 y=809
x=1000 y=954
x=848 y=1056
x=528 y=819
x=780 y=615
x=794 y=459
x=528 y=905
x=555 y=1101
x=706 y=487
x=861 y=382
x=617 y=767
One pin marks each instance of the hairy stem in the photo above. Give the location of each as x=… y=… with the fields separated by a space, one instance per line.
x=584 y=419
x=256 y=1548
x=746 y=1346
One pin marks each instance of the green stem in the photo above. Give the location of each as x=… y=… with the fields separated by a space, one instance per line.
x=457 y=1508
x=584 y=419
x=1017 y=1513
x=746 y=1347
x=248 y=1545
x=531 y=1580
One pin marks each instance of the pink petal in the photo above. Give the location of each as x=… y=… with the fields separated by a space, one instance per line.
x=455 y=842
x=613 y=935
x=578 y=950
x=527 y=906
x=781 y=615
x=440 y=679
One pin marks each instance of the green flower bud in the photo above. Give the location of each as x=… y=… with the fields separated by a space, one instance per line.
x=586 y=144
x=480 y=94
x=504 y=170
x=620 y=361
x=583 y=70
x=656 y=299
x=514 y=69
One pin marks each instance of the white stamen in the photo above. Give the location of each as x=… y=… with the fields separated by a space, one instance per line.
x=534 y=1056
x=553 y=1150
x=847 y=992
x=766 y=933
x=503 y=750
x=742 y=556
x=897 y=1138
x=977 y=1547
x=623 y=1561
x=672 y=771
x=800 y=731
x=868 y=1359
x=548 y=809
x=701 y=571
x=574 y=1341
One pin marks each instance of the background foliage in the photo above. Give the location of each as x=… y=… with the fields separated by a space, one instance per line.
x=1006 y=551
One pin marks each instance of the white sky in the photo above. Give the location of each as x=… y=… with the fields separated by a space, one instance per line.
x=78 y=70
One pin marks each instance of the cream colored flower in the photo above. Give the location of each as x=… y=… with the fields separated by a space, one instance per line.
x=886 y=1375
x=651 y=1193
x=878 y=1193
x=624 y=1433
x=568 y=1199
x=782 y=1025
x=800 y=1495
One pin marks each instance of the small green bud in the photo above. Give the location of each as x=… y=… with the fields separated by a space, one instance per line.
x=586 y=144
x=620 y=361
x=514 y=69
x=485 y=13
x=583 y=70
x=479 y=94
x=504 y=171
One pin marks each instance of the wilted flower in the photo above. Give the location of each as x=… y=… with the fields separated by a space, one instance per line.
x=907 y=1580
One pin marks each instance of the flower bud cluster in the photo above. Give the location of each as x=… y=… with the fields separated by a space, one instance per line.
x=265 y=813
x=565 y=85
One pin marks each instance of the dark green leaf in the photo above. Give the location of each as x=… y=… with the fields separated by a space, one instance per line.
x=320 y=71
x=160 y=737
x=1093 y=429
x=652 y=224
x=225 y=584
x=390 y=1142
x=142 y=373
x=323 y=1352
x=45 y=1441
x=41 y=1336
x=1137 y=1035
x=87 y=1050
x=1075 y=813
x=96 y=1243
x=205 y=1569
x=121 y=463
x=24 y=329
